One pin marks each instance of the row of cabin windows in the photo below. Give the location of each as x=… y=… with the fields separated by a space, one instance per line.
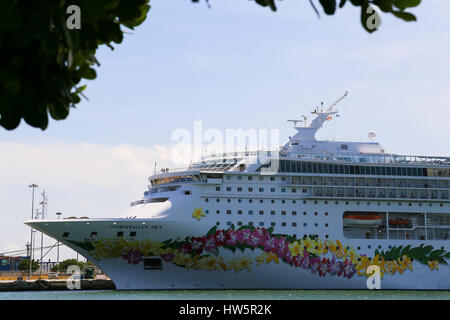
x=313 y=167
x=250 y=189
x=272 y=224
x=250 y=178
x=261 y=212
x=325 y=202
x=251 y=200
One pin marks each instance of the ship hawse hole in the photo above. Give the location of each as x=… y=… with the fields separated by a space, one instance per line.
x=152 y=263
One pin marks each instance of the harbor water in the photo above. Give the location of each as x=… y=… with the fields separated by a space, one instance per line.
x=228 y=295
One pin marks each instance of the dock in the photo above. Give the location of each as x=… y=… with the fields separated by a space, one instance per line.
x=55 y=285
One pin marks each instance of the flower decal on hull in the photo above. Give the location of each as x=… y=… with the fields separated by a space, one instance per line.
x=198 y=213
x=309 y=253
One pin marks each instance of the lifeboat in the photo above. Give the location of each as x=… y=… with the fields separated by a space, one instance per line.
x=399 y=222
x=355 y=220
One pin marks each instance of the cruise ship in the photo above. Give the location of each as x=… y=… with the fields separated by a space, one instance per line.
x=311 y=215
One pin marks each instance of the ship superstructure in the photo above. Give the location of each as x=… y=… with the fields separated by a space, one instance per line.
x=314 y=214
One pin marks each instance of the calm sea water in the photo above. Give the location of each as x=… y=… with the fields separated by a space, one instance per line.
x=229 y=295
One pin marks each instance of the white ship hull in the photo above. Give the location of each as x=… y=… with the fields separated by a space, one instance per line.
x=254 y=275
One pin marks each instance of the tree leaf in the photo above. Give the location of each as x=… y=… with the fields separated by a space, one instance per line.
x=329 y=6
x=404 y=15
x=403 y=4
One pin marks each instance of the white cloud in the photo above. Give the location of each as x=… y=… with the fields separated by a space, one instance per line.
x=72 y=164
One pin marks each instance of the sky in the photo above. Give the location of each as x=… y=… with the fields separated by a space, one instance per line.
x=234 y=65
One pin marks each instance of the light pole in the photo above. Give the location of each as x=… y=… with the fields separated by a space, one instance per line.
x=32 y=186
x=57 y=248
x=44 y=203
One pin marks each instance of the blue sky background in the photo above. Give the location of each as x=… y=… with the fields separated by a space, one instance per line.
x=236 y=65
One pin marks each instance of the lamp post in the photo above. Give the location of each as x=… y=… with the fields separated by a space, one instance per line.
x=57 y=248
x=32 y=186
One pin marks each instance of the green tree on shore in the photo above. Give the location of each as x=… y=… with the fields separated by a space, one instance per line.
x=24 y=265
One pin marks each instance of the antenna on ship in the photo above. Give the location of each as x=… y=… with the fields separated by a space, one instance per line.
x=299 y=120
x=330 y=108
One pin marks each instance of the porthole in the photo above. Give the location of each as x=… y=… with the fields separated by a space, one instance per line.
x=283 y=224
x=206 y=200
x=217 y=200
x=217 y=211
x=441 y=205
x=304 y=201
x=282 y=201
x=357 y=202
x=315 y=224
x=239 y=200
x=293 y=201
x=272 y=201
x=326 y=224
x=369 y=246
x=304 y=213
x=315 y=213
x=272 y=224
x=315 y=201
x=430 y=204
x=228 y=200
x=346 y=202
x=336 y=202
x=409 y=204
x=250 y=200
x=217 y=223
x=326 y=236
x=294 y=224
x=326 y=202
x=305 y=224
x=326 y=213
x=261 y=201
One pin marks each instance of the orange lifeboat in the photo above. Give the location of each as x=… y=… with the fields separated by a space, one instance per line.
x=362 y=220
x=399 y=222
